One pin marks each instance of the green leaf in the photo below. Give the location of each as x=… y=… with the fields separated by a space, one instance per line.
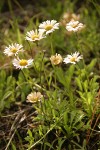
x=65 y=117
x=2 y=76
x=73 y=115
x=85 y=85
x=23 y=98
x=13 y=146
x=9 y=80
x=91 y=65
x=68 y=76
x=29 y=133
x=79 y=83
x=60 y=75
x=49 y=145
x=7 y=94
x=60 y=143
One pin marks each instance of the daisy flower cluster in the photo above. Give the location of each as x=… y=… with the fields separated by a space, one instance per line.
x=45 y=28
x=13 y=50
x=72 y=26
x=73 y=58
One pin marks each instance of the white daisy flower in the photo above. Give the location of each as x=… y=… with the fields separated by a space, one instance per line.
x=73 y=58
x=74 y=26
x=13 y=49
x=34 y=97
x=67 y=16
x=34 y=35
x=48 y=26
x=22 y=63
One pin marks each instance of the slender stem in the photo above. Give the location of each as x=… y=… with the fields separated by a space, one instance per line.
x=35 y=68
x=41 y=66
x=30 y=49
x=80 y=50
x=46 y=79
x=26 y=79
x=54 y=67
x=52 y=49
x=32 y=57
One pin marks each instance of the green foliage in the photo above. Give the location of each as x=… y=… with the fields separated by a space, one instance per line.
x=29 y=138
x=65 y=77
x=23 y=87
x=13 y=147
x=7 y=90
x=88 y=87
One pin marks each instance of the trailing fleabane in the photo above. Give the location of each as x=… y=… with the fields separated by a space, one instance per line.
x=33 y=97
x=56 y=59
x=48 y=26
x=22 y=63
x=74 y=26
x=13 y=49
x=68 y=16
x=34 y=35
x=73 y=58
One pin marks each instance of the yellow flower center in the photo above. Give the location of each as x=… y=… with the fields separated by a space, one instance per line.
x=35 y=36
x=73 y=59
x=56 y=60
x=48 y=27
x=75 y=25
x=35 y=98
x=13 y=50
x=23 y=62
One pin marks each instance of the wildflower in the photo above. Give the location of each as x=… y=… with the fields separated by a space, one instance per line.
x=73 y=58
x=74 y=26
x=56 y=59
x=34 y=97
x=13 y=49
x=34 y=35
x=67 y=16
x=22 y=63
x=48 y=26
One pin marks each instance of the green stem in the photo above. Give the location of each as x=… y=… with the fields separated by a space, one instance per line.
x=27 y=79
x=30 y=49
x=80 y=50
x=54 y=67
x=52 y=49
x=41 y=66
